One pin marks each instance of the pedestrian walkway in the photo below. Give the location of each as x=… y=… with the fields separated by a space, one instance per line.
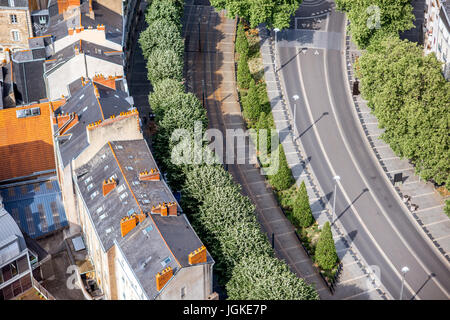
x=211 y=71
x=420 y=198
x=357 y=280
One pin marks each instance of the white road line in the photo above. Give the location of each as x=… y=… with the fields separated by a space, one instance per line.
x=436 y=222
x=422 y=195
x=442 y=238
x=358 y=294
x=391 y=158
x=353 y=279
x=426 y=209
x=398 y=170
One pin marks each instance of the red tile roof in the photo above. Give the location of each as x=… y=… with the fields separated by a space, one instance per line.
x=26 y=144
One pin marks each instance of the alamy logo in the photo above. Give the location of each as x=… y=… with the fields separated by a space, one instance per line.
x=374 y=20
x=72 y=280
x=196 y=147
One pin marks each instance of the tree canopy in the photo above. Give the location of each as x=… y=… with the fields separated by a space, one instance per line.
x=275 y=13
x=325 y=254
x=376 y=18
x=411 y=100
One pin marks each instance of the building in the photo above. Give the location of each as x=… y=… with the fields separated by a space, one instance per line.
x=437 y=32
x=15 y=19
x=21 y=259
x=136 y=234
x=28 y=185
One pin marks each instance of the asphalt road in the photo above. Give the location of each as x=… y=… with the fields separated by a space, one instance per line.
x=366 y=203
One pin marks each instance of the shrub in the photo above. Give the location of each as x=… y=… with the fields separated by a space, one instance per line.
x=263 y=277
x=282 y=179
x=243 y=73
x=302 y=213
x=251 y=103
x=163 y=64
x=241 y=41
x=326 y=256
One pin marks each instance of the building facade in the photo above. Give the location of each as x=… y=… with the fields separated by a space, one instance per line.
x=437 y=32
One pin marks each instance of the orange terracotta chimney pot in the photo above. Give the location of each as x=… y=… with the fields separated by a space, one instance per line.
x=163 y=277
x=108 y=186
x=197 y=256
x=127 y=224
x=152 y=175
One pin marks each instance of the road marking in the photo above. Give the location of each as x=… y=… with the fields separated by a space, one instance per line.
x=433 y=223
x=398 y=170
x=358 y=294
x=442 y=238
x=353 y=279
x=426 y=209
x=391 y=158
x=422 y=195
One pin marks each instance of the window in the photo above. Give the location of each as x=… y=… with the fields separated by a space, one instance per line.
x=183 y=292
x=15 y=35
x=89 y=187
x=121 y=188
x=94 y=194
x=88 y=180
x=166 y=261
x=100 y=209
x=106 y=167
x=13 y=18
x=123 y=196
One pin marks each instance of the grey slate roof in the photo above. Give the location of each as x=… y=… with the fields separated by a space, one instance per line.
x=29 y=81
x=164 y=237
x=112 y=102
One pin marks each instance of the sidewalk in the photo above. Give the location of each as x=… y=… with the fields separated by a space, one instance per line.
x=356 y=280
x=426 y=205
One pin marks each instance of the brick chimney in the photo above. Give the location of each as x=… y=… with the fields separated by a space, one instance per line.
x=165 y=209
x=163 y=277
x=109 y=82
x=127 y=224
x=197 y=256
x=108 y=186
x=66 y=121
x=153 y=175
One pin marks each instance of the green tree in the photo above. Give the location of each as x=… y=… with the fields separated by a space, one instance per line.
x=163 y=64
x=241 y=41
x=275 y=13
x=167 y=10
x=243 y=73
x=325 y=254
x=263 y=277
x=376 y=18
x=265 y=122
x=161 y=34
x=302 y=213
x=282 y=179
x=251 y=103
x=162 y=92
x=411 y=100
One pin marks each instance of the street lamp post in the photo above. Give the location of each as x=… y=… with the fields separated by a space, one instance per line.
x=295 y=98
x=276 y=31
x=336 y=179
x=404 y=271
